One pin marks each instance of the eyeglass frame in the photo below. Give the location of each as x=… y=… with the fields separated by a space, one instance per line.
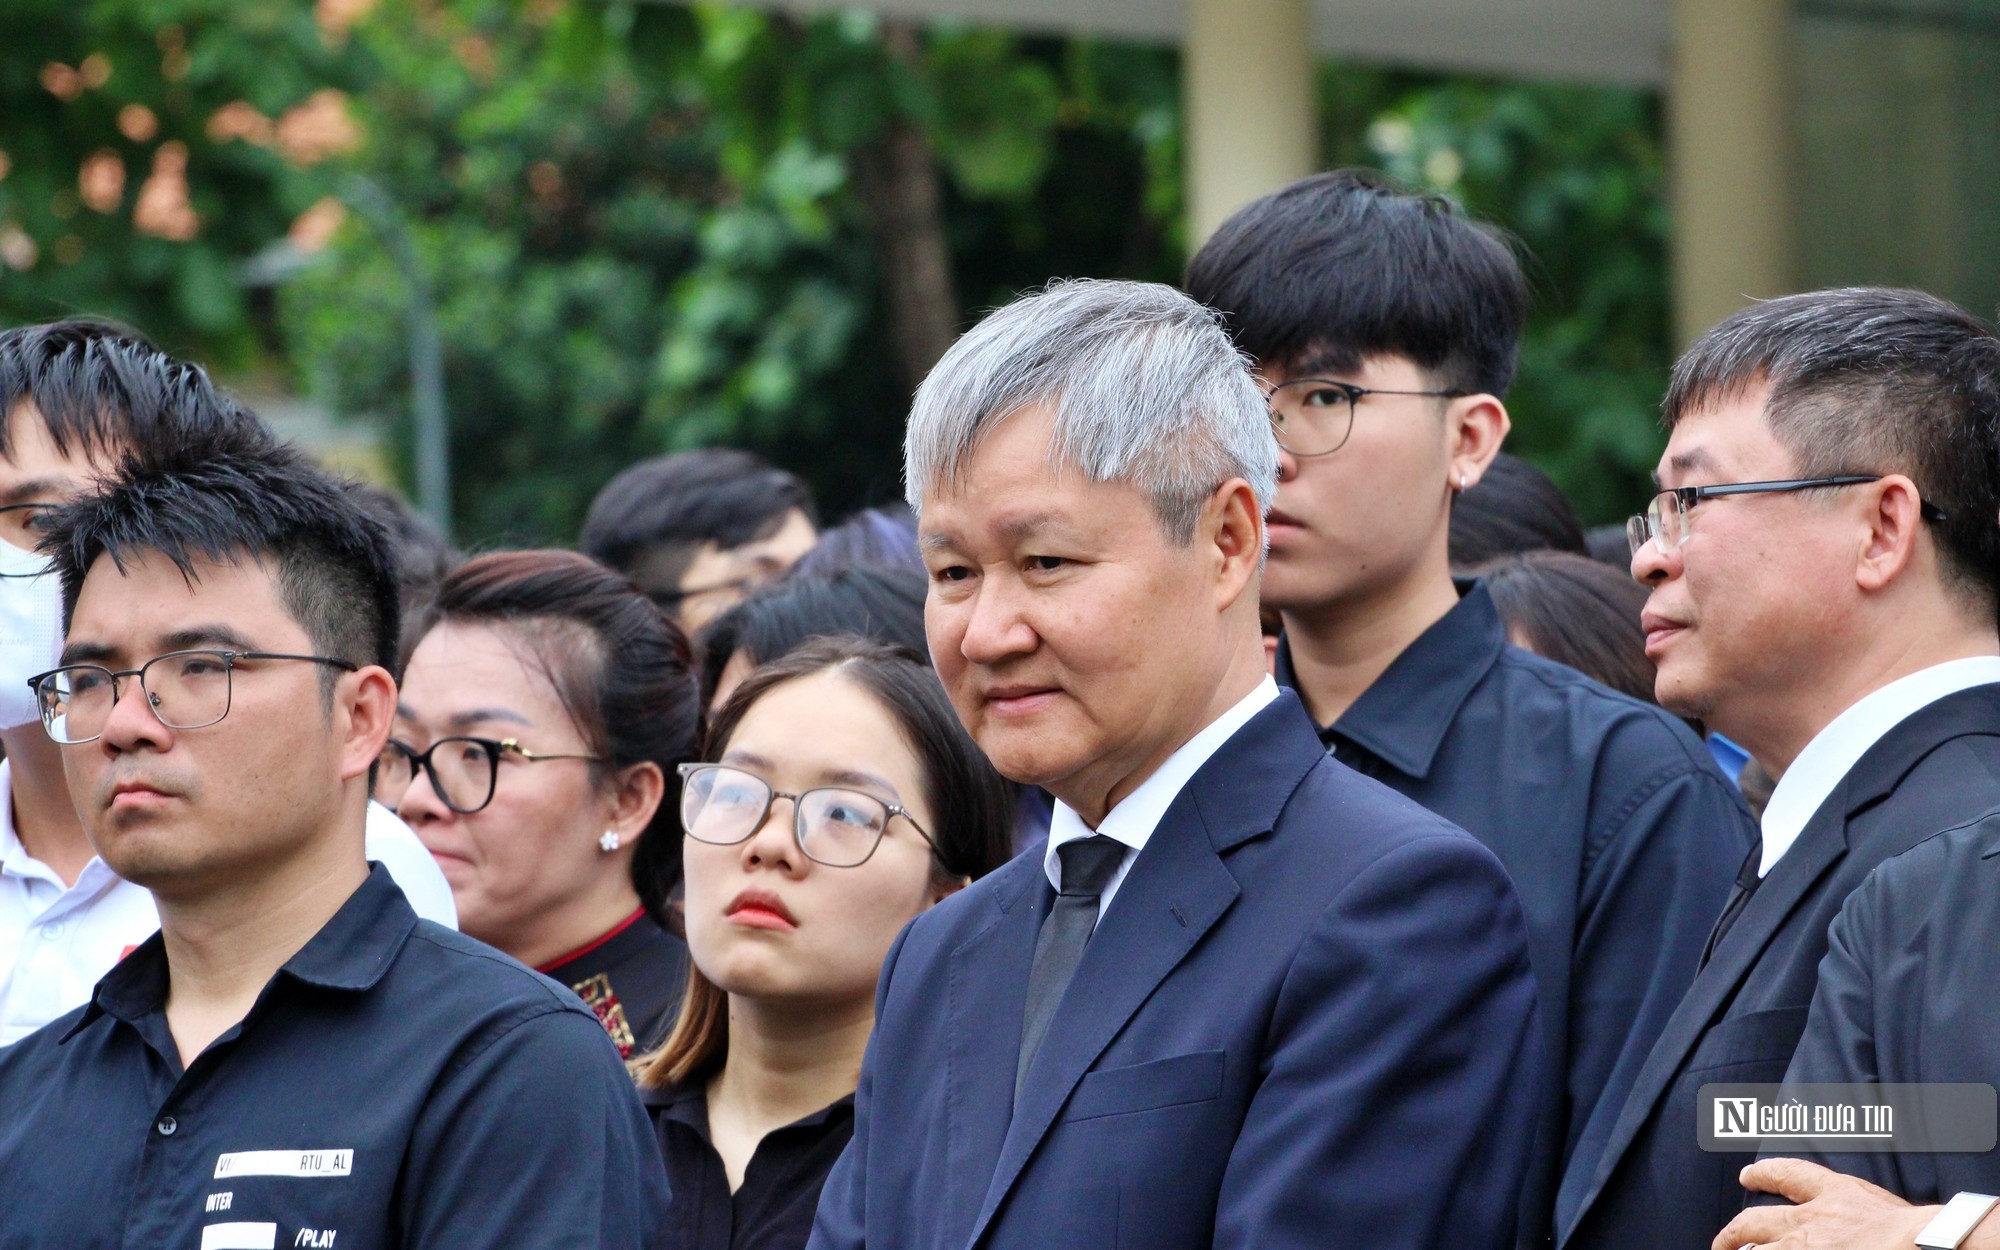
x=1355 y=394
x=1688 y=496
x=687 y=771
x=229 y=660
x=420 y=761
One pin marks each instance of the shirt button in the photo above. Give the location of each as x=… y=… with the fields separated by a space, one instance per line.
x=165 y=1126
x=52 y=932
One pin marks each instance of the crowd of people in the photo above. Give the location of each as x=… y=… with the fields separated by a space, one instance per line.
x=1229 y=801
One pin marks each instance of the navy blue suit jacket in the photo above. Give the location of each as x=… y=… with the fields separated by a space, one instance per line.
x=1305 y=1019
x=1906 y=993
x=1742 y=1018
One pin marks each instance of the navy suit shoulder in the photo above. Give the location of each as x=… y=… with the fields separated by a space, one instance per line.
x=1743 y=1017
x=1308 y=1009
x=1906 y=995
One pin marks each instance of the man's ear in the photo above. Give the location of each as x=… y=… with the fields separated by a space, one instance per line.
x=1478 y=425
x=1894 y=518
x=1233 y=525
x=369 y=712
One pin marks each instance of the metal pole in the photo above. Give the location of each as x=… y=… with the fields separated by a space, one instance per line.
x=427 y=401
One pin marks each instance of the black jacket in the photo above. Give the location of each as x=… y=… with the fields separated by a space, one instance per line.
x=1742 y=1018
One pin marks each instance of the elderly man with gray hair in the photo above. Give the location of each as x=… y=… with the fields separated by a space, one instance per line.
x=1244 y=997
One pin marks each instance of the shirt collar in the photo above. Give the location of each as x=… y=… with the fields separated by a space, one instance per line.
x=1402 y=718
x=17 y=861
x=351 y=951
x=1836 y=749
x=686 y=1104
x=1135 y=817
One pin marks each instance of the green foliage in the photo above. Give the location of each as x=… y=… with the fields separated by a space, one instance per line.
x=642 y=228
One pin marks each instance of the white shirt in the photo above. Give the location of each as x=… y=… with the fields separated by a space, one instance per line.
x=1836 y=749
x=1135 y=817
x=56 y=941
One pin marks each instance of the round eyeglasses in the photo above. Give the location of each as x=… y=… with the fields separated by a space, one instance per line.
x=185 y=689
x=834 y=825
x=1314 y=416
x=463 y=772
x=1665 y=520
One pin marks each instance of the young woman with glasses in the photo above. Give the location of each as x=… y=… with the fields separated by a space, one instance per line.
x=544 y=709
x=841 y=800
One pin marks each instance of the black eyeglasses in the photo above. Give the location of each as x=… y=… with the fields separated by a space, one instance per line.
x=185 y=689
x=463 y=771
x=833 y=825
x=1666 y=518
x=1314 y=416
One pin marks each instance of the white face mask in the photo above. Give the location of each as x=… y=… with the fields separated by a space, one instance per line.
x=30 y=630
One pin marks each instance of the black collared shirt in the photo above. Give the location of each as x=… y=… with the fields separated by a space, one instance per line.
x=633 y=977
x=395 y=1085
x=773 y=1210
x=1620 y=832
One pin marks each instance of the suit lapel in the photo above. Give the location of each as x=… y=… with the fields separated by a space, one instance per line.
x=1176 y=891
x=1820 y=846
x=986 y=998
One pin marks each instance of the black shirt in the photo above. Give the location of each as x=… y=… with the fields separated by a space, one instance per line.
x=773 y=1210
x=1621 y=834
x=395 y=1085
x=633 y=978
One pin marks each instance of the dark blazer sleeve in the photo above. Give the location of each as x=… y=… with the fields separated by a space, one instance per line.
x=1397 y=1098
x=1653 y=885
x=841 y=1222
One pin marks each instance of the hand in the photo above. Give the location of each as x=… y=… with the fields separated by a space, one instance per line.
x=1832 y=1211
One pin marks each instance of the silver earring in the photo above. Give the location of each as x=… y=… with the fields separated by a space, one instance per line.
x=1461 y=483
x=609 y=841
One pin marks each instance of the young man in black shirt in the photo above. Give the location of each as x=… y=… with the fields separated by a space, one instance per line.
x=294 y=1058
x=1384 y=325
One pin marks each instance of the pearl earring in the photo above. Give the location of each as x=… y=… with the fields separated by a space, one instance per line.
x=1461 y=483
x=609 y=841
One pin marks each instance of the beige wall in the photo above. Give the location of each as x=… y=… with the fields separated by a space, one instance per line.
x=1252 y=109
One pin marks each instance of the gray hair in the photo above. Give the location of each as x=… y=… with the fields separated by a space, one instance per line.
x=1142 y=384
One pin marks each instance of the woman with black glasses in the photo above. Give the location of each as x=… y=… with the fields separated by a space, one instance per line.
x=544 y=709
x=842 y=800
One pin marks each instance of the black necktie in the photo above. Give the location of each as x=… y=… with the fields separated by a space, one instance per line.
x=1747 y=882
x=1088 y=865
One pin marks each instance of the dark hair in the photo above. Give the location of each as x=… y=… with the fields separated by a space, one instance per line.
x=882 y=537
x=622 y=671
x=1873 y=380
x=661 y=511
x=226 y=498
x=880 y=603
x=1514 y=507
x=423 y=557
x=1344 y=265
x=104 y=390
x=972 y=813
x=1575 y=611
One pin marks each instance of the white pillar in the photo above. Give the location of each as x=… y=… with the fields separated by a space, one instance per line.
x=1731 y=158
x=1252 y=108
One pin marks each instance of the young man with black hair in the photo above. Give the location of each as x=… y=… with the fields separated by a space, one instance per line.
x=700 y=530
x=295 y=1057
x=75 y=397
x=1384 y=325
x=1824 y=569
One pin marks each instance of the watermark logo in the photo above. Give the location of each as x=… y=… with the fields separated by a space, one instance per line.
x=1909 y=1117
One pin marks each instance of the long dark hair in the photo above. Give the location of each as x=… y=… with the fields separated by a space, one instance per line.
x=1575 y=611
x=972 y=812
x=622 y=671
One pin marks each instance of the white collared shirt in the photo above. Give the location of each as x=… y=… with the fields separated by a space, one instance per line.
x=56 y=941
x=1135 y=817
x=1836 y=749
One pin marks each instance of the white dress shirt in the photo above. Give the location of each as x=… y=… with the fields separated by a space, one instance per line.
x=57 y=940
x=1836 y=749
x=1135 y=817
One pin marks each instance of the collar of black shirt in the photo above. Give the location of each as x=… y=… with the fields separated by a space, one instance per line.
x=1404 y=716
x=687 y=1104
x=352 y=951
